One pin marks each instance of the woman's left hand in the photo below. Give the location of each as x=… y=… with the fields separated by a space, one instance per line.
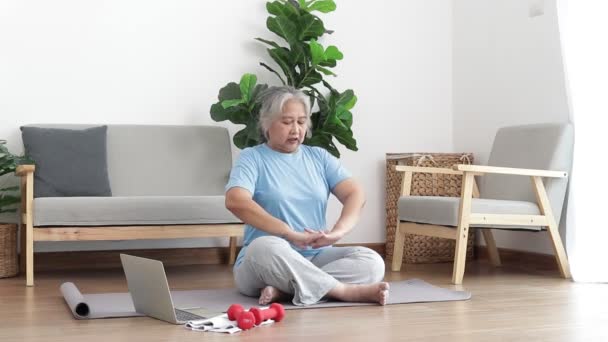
x=326 y=239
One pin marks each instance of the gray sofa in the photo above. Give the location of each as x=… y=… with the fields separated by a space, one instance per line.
x=166 y=182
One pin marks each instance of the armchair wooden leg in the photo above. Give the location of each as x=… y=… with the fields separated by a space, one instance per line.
x=560 y=252
x=398 y=249
x=491 y=245
x=462 y=234
x=545 y=208
x=232 y=248
x=460 y=255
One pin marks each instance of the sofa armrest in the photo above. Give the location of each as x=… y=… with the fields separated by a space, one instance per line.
x=481 y=169
x=23 y=170
x=439 y=170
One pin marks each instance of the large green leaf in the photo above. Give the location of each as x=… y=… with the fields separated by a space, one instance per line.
x=334 y=121
x=346 y=99
x=218 y=112
x=345 y=116
x=279 y=8
x=284 y=28
x=325 y=71
x=269 y=42
x=236 y=114
x=231 y=103
x=311 y=77
x=230 y=91
x=246 y=86
x=316 y=52
x=324 y=6
x=298 y=54
x=332 y=52
x=310 y=27
x=243 y=138
x=229 y=96
x=345 y=137
x=329 y=63
x=257 y=91
x=323 y=57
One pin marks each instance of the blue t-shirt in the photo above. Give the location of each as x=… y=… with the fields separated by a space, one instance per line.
x=293 y=187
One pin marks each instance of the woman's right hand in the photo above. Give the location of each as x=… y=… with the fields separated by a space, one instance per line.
x=302 y=239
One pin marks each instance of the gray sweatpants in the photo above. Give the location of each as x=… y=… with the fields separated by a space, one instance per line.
x=270 y=260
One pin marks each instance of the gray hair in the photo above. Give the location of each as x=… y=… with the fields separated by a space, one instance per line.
x=273 y=101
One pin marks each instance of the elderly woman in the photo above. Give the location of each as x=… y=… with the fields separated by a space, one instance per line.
x=280 y=190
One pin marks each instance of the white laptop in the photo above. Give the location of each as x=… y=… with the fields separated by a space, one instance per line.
x=150 y=291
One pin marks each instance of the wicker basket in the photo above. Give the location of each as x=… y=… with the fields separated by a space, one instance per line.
x=419 y=248
x=8 y=250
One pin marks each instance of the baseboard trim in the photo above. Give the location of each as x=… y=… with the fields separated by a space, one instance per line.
x=522 y=258
x=72 y=260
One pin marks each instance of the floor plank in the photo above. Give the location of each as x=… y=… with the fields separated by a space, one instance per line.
x=509 y=304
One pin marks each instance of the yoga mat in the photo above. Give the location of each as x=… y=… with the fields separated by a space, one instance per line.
x=106 y=305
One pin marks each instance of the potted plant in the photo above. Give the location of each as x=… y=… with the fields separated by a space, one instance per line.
x=302 y=62
x=9 y=201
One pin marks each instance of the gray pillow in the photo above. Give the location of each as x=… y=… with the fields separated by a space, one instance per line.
x=68 y=162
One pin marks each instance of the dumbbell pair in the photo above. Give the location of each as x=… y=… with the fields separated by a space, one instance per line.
x=255 y=316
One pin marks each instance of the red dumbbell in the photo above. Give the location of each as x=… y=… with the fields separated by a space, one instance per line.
x=275 y=312
x=244 y=319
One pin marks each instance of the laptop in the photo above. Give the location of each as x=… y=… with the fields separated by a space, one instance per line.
x=149 y=290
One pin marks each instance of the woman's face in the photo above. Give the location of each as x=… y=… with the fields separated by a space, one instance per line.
x=287 y=132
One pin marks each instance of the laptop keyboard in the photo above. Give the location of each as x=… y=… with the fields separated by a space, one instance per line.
x=184 y=316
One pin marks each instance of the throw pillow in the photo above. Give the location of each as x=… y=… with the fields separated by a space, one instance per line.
x=68 y=162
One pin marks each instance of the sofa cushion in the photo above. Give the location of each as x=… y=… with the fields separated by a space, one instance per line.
x=443 y=211
x=68 y=162
x=142 y=210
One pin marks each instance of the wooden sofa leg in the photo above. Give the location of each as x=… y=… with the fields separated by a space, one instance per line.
x=491 y=246
x=398 y=249
x=460 y=255
x=29 y=255
x=558 y=248
x=29 y=230
x=22 y=227
x=462 y=232
x=232 y=248
x=22 y=248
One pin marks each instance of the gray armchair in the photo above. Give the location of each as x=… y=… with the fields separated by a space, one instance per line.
x=541 y=153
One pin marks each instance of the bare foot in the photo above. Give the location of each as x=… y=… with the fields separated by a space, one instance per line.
x=269 y=294
x=383 y=289
x=375 y=293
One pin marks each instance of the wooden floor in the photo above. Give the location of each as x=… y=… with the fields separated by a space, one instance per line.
x=508 y=304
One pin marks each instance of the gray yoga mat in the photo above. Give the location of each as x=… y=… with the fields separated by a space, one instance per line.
x=106 y=305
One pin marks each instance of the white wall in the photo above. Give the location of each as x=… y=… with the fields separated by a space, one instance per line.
x=163 y=62
x=507 y=70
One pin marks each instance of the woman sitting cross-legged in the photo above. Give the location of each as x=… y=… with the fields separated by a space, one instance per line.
x=279 y=189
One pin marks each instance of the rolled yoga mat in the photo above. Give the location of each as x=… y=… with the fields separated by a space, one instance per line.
x=106 y=305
